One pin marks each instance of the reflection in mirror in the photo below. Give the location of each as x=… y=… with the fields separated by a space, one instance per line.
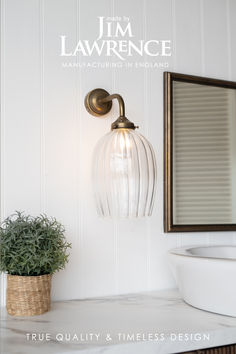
x=204 y=154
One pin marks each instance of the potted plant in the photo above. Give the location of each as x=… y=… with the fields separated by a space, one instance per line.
x=31 y=250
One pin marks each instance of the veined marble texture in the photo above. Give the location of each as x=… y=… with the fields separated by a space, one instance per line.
x=153 y=322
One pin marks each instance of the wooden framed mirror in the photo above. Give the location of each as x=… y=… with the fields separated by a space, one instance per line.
x=199 y=154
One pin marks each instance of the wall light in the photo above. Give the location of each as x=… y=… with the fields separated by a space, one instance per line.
x=124 y=165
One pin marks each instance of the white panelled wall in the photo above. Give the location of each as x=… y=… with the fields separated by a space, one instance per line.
x=47 y=137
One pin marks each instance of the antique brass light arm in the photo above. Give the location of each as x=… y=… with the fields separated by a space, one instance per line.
x=98 y=102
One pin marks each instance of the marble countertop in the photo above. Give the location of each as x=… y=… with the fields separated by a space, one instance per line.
x=153 y=322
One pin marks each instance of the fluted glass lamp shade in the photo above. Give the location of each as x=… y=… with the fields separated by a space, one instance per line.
x=124 y=175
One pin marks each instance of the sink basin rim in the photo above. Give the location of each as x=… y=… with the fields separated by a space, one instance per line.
x=186 y=252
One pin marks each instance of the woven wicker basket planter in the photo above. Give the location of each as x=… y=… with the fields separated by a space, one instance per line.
x=28 y=295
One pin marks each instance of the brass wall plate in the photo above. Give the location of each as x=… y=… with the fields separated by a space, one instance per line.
x=93 y=105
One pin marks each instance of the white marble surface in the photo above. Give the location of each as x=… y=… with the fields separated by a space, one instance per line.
x=161 y=313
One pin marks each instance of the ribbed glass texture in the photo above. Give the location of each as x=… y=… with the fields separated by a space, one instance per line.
x=124 y=175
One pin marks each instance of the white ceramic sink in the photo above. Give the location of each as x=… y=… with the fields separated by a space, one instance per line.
x=206 y=277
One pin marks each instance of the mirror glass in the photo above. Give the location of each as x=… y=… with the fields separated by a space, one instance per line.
x=203 y=154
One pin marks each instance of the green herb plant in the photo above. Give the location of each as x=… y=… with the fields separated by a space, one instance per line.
x=32 y=245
